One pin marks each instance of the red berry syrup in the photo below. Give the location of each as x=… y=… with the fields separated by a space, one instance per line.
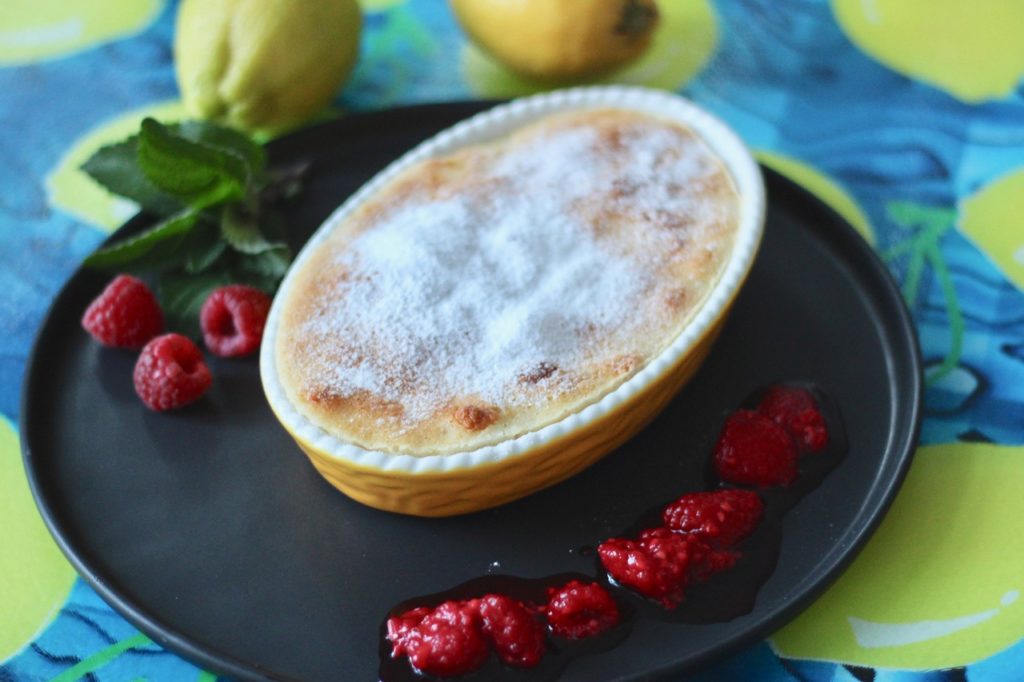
x=706 y=555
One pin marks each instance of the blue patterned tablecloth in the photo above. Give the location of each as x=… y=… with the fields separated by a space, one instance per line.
x=906 y=115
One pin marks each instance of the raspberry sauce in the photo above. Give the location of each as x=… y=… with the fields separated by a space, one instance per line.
x=726 y=590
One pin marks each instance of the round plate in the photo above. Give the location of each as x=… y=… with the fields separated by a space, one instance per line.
x=209 y=530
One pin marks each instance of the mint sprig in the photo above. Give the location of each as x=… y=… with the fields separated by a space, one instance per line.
x=214 y=197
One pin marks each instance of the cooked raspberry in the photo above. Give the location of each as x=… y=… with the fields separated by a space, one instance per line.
x=657 y=565
x=712 y=561
x=399 y=628
x=796 y=410
x=579 y=610
x=721 y=517
x=515 y=633
x=447 y=641
x=233 y=318
x=125 y=315
x=170 y=372
x=754 y=450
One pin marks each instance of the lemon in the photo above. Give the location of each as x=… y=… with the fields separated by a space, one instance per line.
x=682 y=45
x=264 y=65
x=559 y=40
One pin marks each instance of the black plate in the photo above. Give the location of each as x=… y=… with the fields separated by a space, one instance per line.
x=210 y=531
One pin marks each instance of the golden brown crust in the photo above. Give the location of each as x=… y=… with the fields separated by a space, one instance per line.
x=633 y=217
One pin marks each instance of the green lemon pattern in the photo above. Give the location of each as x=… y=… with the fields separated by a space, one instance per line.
x=939 y=585
x=993 y=218
x=36 y=576
x=47 y=29
x=973 y=50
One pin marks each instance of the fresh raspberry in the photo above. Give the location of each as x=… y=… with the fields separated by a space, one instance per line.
x=754 y=450
x=125 y=315
x=233 y=318
x=795 y=410
x=721 y=517
x=579 y=610
x=447 y=641
x=170 y=372
x=657 y=565
x=515 y=633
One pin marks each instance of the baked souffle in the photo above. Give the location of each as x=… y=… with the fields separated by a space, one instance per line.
x=484 y=294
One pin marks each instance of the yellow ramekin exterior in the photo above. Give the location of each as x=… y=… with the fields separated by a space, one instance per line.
x=470 y=489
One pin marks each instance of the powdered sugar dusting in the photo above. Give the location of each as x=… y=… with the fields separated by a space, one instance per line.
x=462 y=297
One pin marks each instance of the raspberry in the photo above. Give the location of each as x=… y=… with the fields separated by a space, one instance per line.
x=712 y=561
x=170 y=372
x=517 y=636
x=578 y=610
x=233 y=318
x=125 y=315
x=399 y=628
x=754 y=450
x=722 y=517
x=795 y=410
x=446 y=641
x=657 y=565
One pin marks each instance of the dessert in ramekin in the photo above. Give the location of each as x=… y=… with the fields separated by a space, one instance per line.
x=513 y=298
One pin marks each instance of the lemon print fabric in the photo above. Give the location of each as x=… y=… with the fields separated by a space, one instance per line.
x=940 y=584
x=46 y=29
x=972 y=50
x=682 y=44
x=36 y=576
x=72 y=191
x=993 y=218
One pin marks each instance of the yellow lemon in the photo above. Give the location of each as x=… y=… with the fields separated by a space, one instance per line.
x=36 y=576
x=972 y=50
x=683 y=42
x=939 y=584
x=264 y=64
x=994 y=220
x=560 y=40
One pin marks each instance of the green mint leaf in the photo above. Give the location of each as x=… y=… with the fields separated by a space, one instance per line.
x=272 y=263
x=241 y=229
x=203 y=247
x=228 y=140
x=116 y=167
x=200 y=175
x=264 y=270
x=183 y=294
x=155 y=248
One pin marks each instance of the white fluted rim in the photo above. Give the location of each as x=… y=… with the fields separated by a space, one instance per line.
x=493 y=124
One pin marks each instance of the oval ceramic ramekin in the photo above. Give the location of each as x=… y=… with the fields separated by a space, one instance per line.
x=443 y=485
